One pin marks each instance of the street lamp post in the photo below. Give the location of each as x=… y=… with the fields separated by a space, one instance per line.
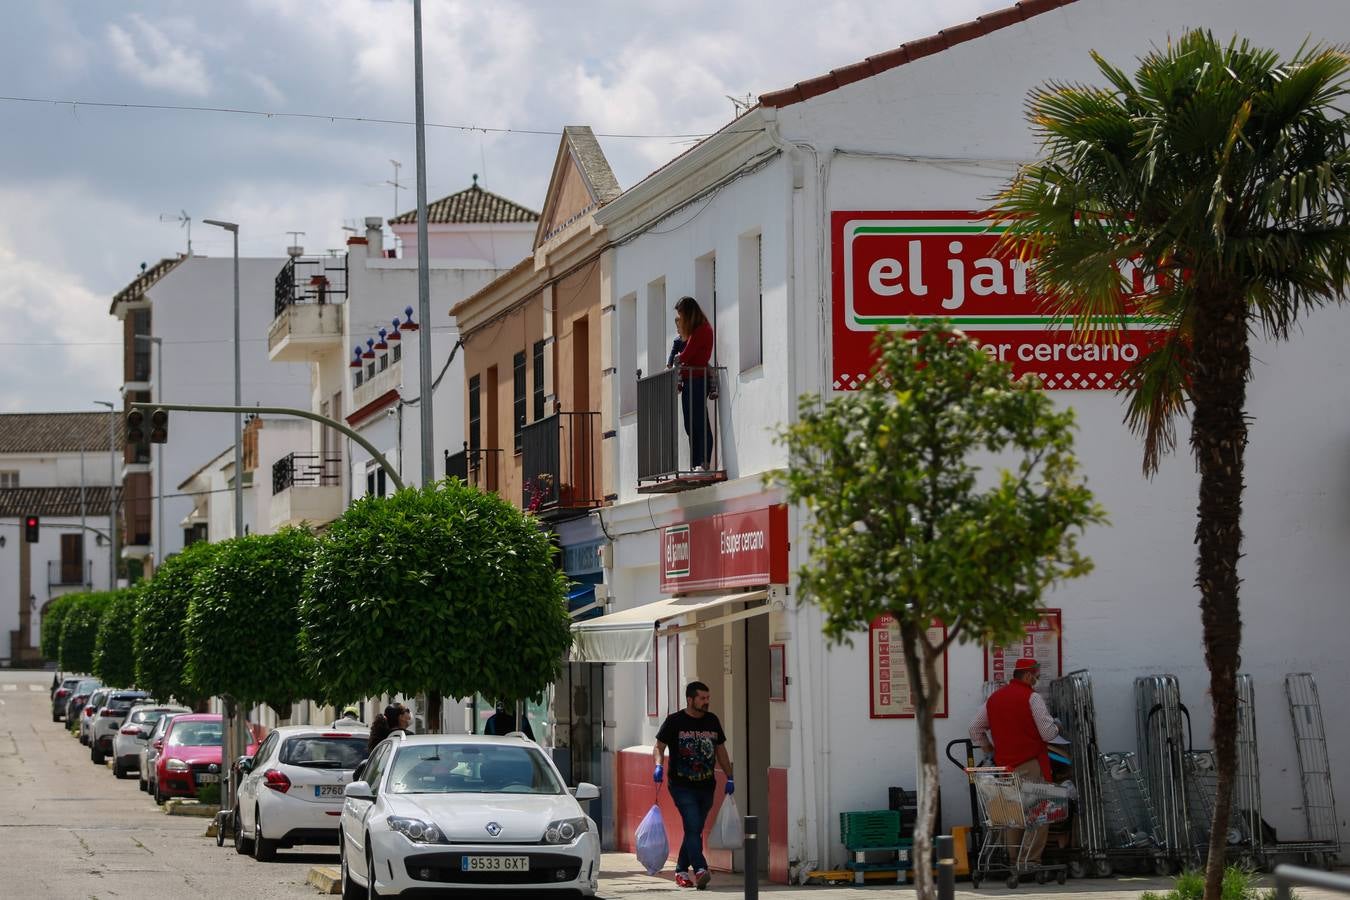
x=423 y=263
x=233 y=229
x=159 y=454
x=112 y=492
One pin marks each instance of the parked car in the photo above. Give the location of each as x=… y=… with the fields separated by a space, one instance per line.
x=61 y=695
x=78 y=698
x=91 y=708
x=150 y=751
x=190 y=755
x=134 y=734
x=108 y=720
x=434 y=812
x=291 y=792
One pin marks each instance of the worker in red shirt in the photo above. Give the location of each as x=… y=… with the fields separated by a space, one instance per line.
x=1020 y=725
x=694 y=351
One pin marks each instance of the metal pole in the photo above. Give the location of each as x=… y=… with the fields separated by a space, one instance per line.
x=160 y=551
x=238 y=401
x=84 y=556
x=112 y=495
x=946 y=866
x=423 y=272
x=752 y=858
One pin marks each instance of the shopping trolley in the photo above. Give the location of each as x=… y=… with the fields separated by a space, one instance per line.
x=1012 y=810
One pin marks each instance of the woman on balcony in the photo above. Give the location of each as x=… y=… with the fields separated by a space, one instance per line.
x=696 y=379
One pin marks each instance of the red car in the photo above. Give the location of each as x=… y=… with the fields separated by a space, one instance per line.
x=189 y=755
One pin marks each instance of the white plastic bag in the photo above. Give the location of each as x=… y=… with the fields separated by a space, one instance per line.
x=650 y=844
x=727 y=832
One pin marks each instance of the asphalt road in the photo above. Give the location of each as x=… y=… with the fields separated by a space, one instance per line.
x=69 y=829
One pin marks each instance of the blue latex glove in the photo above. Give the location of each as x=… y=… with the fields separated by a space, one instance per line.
x=731 y=787
x=658 y=774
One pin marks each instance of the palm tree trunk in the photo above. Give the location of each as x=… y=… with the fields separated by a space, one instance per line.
x=1219 y=439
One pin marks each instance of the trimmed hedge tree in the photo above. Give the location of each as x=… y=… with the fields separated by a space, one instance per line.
x=241 y=635
x=80 y=630
x=445 y=590
x=158 y=639
x=114 y=653
x=52 y=619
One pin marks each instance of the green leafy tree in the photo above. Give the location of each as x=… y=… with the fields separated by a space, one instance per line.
x=80 y=629
x=52 y=618
x=903 y=519
x=158 y=637
x=1222 y=173
x=445 y=590
x=114 y=653
x=241 y=635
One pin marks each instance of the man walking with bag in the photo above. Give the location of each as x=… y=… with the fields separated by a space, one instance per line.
x=697 y=741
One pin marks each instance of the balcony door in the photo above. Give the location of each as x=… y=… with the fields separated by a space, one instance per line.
x=72 y=559
x=581 y=435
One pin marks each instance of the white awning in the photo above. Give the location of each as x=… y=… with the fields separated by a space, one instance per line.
x=628 y=635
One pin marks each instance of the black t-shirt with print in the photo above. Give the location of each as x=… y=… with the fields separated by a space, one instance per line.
x=692 y=743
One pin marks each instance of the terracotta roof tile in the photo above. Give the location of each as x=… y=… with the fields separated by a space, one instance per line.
x=67 y=432
x=53 y=501
x=471 y=206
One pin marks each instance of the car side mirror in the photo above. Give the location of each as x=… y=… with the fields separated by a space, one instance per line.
x=586 y=791
x=158 y=744
x=358 y=790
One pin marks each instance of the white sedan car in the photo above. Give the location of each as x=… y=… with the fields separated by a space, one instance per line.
x=438 y=812
x=133 y=735
x=292 y=790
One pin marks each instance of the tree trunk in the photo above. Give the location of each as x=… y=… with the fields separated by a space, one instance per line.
x=920 y=661
x=433 y=718
x=1219 y=439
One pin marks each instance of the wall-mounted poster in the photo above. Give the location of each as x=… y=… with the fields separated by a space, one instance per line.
x=890 y=696
x=778 y=673
x=1042 y=640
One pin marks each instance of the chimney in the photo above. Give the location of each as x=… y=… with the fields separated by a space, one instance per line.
x=374 y=237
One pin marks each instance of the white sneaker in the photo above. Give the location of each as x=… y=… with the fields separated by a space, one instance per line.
x=699 y=469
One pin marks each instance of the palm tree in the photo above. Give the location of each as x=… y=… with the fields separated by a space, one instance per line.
x=1223 y=173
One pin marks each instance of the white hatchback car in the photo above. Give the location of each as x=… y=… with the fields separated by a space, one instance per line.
x=132 y=737
x=292 y=790
x=437 y=812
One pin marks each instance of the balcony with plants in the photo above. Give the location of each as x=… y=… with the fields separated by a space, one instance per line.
x=307 y=304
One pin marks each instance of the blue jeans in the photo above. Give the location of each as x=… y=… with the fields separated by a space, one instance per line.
x=694 y=805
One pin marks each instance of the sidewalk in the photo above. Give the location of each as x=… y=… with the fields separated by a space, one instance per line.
x=621 y=877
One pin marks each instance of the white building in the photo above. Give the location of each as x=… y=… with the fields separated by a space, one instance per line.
x=759 y=223
x=59 y=468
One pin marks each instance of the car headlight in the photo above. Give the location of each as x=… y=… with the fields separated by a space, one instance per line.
x=416 y=830
x=565 y=831
x=177 y=765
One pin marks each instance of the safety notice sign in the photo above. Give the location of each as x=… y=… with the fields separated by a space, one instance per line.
x=890 y=694
x=1042 y=640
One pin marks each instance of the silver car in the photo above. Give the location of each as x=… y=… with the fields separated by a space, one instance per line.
x=134 y=734
x=91 y=708
x=150 y=751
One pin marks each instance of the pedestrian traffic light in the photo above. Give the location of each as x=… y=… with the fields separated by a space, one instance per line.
x=159 y=426
x=30 y=529
x=135 y=427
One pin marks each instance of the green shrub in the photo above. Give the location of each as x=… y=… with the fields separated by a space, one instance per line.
x=1238 y=884
x=79 y=630
x=52 y=619
x=158 y=633
x=114 y=655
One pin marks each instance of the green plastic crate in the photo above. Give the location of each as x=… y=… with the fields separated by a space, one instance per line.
x=870 y=829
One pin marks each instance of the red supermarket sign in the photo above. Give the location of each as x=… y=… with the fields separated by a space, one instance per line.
x=891 y=266
x=728 y=550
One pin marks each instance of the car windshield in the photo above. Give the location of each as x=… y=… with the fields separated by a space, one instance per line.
x=123 y=702
x=146 y=716
x=70 y=683
x=195 y=734
x=471 y=769
x=322 y=751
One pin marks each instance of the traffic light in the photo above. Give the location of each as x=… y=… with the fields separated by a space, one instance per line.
x=30 y=529
x=135 y=427
x=159 y=426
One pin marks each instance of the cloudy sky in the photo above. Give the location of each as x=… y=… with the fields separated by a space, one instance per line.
x=83 y=188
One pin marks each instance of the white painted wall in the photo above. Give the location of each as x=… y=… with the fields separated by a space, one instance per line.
x=471 y=246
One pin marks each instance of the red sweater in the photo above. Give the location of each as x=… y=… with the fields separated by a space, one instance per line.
x=698 y=350
x=1016 y=737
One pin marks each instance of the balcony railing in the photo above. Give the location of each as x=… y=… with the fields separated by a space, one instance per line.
x=138 y=529
x=320 y=279
x=322 y=469
x=558 y=463
x=479 y=467
x=668 y=460
x=69 y=572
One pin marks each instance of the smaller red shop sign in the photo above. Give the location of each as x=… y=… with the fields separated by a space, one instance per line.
x=728 y=550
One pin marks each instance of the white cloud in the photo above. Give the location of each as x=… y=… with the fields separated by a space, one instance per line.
x=152 y=58
x=266 y=86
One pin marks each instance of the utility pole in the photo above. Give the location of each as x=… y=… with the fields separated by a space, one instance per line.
x=423 y=272
x=112 y=492
x=159 y=453
x=84 y=564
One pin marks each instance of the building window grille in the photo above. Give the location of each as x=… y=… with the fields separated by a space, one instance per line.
x=518 y=396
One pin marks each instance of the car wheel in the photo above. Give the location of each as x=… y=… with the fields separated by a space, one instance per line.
x=350 y=889
x=119 y=770
x=242 y=845
x=84 y=741
x=55 y=717
x=143 y=784
x=370 y=872
x=160 y=796
x=263 y=849
x=95 y=756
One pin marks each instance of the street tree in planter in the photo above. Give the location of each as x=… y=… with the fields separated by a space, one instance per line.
x=114 y=653
x=52 y=618
x=444 y=590
x=158 y=636
x=1220 y=172
x=80 y=628
x=904 y=521
x=241 y=634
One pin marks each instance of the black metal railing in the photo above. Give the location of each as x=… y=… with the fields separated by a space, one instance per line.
x=478 y=467
x=558 y=463
x=307 y=469
x=667 y=458
x=65 y=572
x=319 y=279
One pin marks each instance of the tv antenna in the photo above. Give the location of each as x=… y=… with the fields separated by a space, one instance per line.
x=742 y=105
x=394 y=181
x=184 y=221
